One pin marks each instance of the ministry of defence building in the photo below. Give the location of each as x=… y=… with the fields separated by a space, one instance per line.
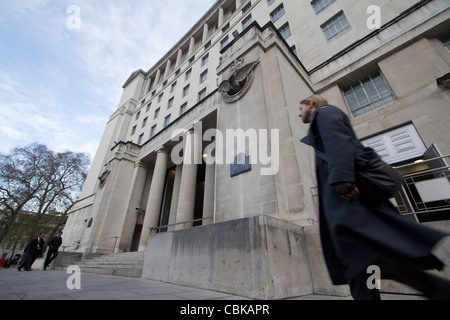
x=201 y=169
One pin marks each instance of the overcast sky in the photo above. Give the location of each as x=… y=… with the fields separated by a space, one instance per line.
x=59 y=84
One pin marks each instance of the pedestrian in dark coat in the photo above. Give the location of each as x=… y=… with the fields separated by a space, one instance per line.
x=33 y=249
x=53 y=247
x=354 y=234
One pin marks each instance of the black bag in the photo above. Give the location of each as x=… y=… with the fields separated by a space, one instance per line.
x=376 y=180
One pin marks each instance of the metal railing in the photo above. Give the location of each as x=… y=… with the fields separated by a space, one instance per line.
x=425 y=191
x=410 y=200
x=89 y=244
x=160 y=228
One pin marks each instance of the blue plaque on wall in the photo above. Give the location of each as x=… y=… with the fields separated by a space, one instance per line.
x=241 y=165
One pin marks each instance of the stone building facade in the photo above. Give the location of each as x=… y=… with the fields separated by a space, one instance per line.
x=206 y=142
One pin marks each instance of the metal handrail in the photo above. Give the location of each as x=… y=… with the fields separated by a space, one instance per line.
x=85 y=244
x=409 y=205
x=423 y=161
x=175 y=224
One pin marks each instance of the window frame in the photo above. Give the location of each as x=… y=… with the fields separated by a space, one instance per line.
x=367 y=102
x=334 y=22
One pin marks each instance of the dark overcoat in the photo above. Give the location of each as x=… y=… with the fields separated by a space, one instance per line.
x=355 y=235
x=32 y=247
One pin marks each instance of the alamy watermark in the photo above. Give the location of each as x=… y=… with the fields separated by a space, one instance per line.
x=74 y=280
x=374 y=280
x=73 y=22
x=374 y=20
x=262 y=146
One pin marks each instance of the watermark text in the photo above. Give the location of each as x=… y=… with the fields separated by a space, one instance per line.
x=74 y=280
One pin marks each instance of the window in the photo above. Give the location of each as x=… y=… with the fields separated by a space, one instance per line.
x=226 y=28
x=207 y=45
x=191 y=60
x=285 y=31
x=144 y=122
x=173 y=87
x=188 y=74
x=320 y=5
x=277 y=13
x=157 y=113
x=336 y=26
x=368 y=94
x=183 y=108
x=141 y=139
x=246 y=8
x=205 y=59
x=185 y=91
x=167 y=121
x=153 y=131
x=224 y=42
x=294 y=50
x=203 y=76
x=160 y=97
x=138 y=115
x=446 y=42
x=133 y=131
x=247 y=21
x=148 y=107
x=170 y=103
x=269 y=2
x=202 y=95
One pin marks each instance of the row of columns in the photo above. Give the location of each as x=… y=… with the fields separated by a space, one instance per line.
x=183 y=195
x=220 y=21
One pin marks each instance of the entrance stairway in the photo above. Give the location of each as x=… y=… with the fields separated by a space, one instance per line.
x=128 y=264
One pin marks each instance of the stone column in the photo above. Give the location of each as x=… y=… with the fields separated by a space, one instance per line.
x=191 y=46
x=134 y=200
x=153 y=209
x=148 y=85
x=205 y=32
x=208 y=197
x=186 y=201
x=179 y=55
x=168 y=65
x=175 y=197
x=157 y=78
x=221 y=18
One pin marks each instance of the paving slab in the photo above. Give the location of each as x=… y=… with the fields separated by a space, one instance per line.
x=52 y=285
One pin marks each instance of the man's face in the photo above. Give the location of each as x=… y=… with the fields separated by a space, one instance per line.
x=306 y=112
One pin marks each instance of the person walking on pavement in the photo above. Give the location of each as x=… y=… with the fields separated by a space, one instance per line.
x=355 y=234
x=34 y=249
x=53 y=247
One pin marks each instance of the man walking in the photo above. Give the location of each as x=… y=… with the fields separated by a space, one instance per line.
x=53 y=247
x=355 y=234
x=34 y=249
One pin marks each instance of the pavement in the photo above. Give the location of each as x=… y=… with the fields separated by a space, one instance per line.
x=59 y=285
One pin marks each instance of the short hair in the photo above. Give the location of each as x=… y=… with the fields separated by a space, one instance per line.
x=316 y=99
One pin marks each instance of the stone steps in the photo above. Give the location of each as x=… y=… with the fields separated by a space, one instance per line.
x=128 y=264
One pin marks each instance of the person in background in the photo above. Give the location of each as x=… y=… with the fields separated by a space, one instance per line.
x=34 y=249
x=354 y=234
x=53 y=247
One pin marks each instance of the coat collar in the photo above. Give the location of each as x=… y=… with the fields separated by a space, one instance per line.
x=310 y=138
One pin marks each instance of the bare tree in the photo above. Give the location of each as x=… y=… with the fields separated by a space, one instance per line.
x=39 y=181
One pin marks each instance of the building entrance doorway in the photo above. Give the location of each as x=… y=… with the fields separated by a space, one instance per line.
x=168 y=195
